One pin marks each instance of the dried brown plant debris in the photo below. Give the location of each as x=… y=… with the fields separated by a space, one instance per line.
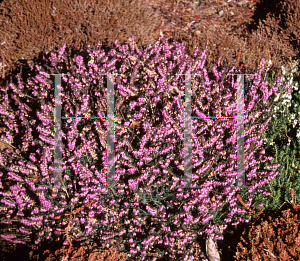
x=273 y=239
x=274 y=38
x=30 y=27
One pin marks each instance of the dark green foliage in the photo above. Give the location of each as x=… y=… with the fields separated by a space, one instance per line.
x=283 y=141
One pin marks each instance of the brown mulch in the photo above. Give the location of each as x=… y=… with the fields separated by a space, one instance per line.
x=229 y=16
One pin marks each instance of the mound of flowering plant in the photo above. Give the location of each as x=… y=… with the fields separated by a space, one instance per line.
x=146 y=213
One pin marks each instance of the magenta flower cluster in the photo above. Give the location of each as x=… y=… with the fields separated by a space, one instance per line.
x=154 y=213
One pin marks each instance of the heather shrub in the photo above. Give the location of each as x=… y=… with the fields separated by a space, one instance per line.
x=282 y=140
x=28 y=29
x=146 y=214
x=286 y=15
x=271 y=238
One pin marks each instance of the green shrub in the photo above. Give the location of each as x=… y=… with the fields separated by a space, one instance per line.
x=282 y=141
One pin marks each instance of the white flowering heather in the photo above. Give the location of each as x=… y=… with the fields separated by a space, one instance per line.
x=287 y=109
x=153 y=212
x=283 y=139
x=287 y=99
